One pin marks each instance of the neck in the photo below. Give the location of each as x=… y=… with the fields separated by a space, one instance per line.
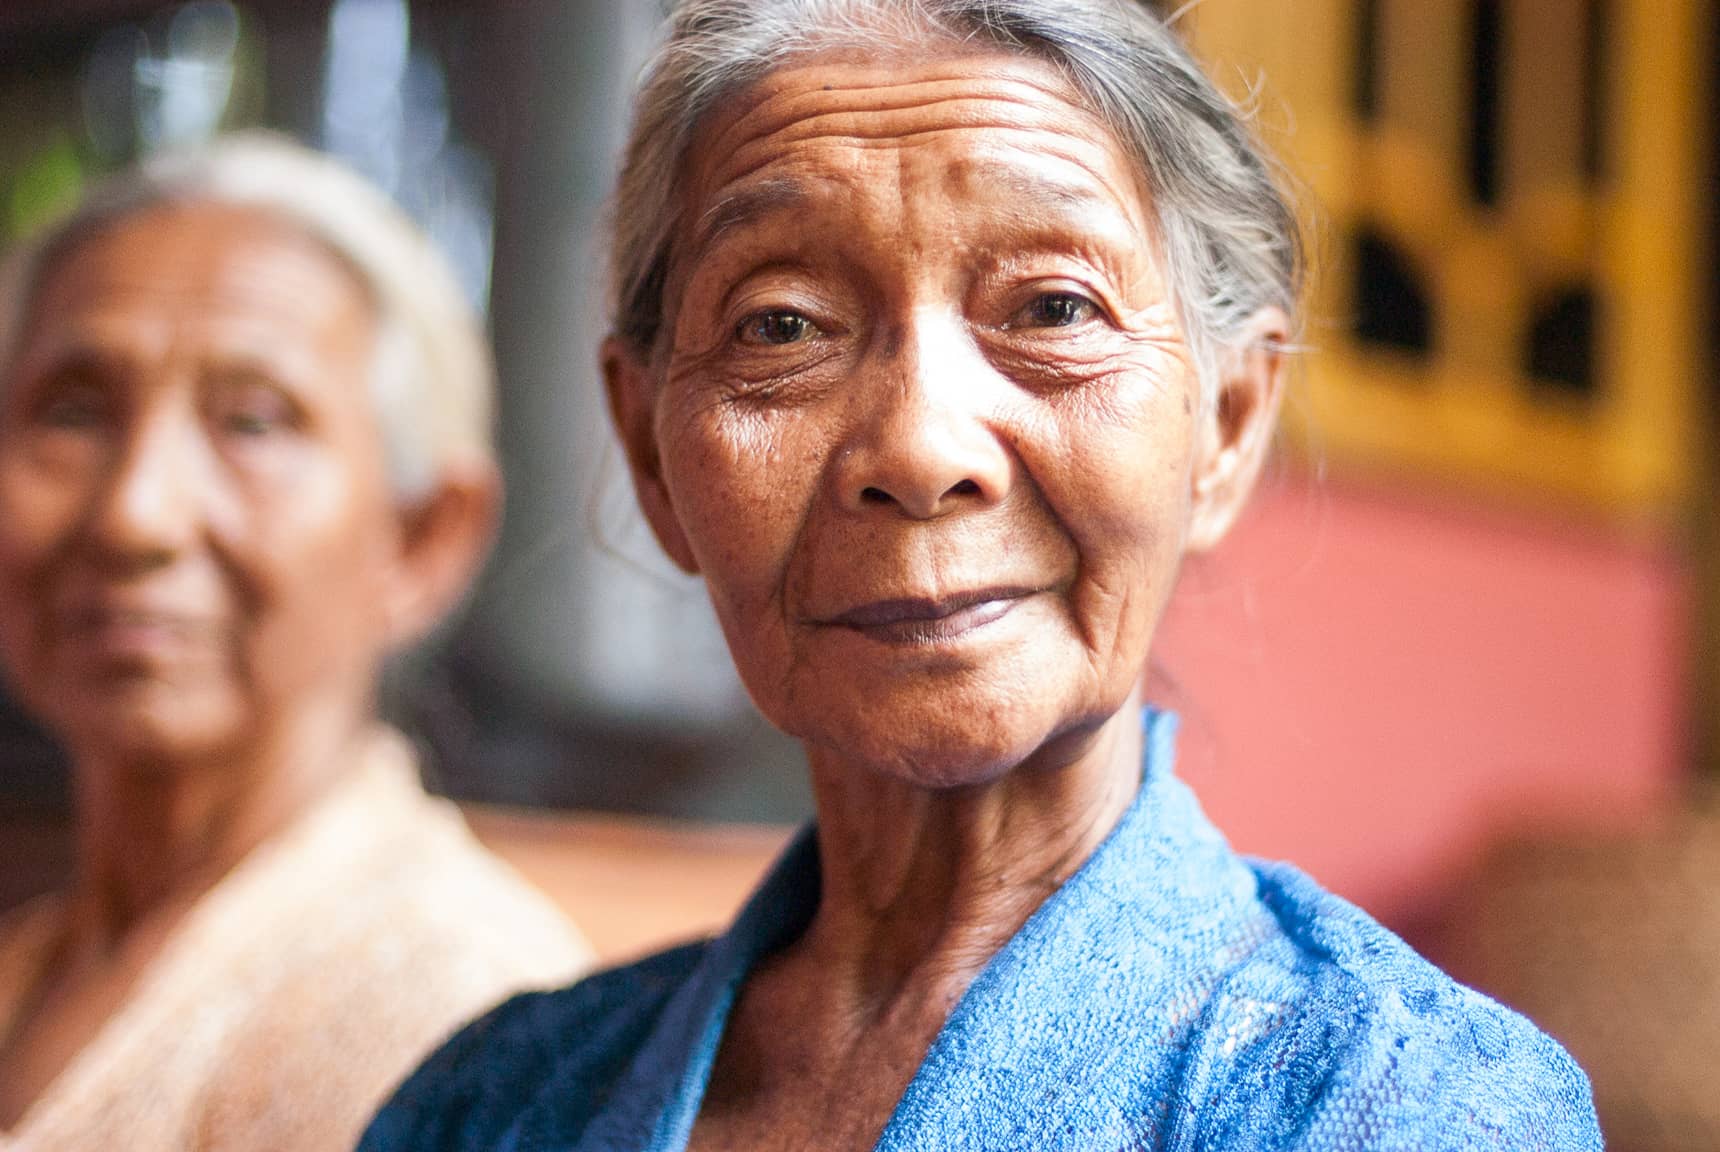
x=154 y=834
x=922 y=881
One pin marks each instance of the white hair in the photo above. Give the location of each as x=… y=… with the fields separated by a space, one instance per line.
x=1228 y=234
x=432 y=378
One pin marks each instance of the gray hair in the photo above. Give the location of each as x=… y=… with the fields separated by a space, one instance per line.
x=1229 y=236
x=432 y=379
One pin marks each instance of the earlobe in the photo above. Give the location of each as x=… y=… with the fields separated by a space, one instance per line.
x=632 y=396
x=1236 y=428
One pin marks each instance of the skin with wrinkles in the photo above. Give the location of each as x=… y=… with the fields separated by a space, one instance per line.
x=202 y=564
x=924 y=418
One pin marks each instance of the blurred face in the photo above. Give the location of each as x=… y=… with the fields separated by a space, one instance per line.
x=194 y=519
x=923 y=415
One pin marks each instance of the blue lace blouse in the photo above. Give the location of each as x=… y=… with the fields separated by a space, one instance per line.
x=1172 y=995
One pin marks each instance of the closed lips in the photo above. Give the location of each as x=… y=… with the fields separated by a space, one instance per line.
x=97 y=617
x=924 y=619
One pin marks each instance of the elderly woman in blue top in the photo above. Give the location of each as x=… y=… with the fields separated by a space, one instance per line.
x=943 y=331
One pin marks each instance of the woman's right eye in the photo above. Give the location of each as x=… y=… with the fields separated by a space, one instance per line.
x=777 y=327
x=72 y=407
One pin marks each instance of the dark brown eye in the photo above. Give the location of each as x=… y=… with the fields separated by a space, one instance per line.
x=73 y=405
x=251 y=424
x=1054 y=310
x=250 y=408
x=776 y=327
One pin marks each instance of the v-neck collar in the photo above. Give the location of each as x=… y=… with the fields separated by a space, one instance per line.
x=221 y=926
x=1133 y=940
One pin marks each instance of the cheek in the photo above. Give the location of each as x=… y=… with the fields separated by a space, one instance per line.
x=310 y=558
x=742 y=484
x=37 y=515
x=1120 y=486
x=744 y=489
x=37 y=511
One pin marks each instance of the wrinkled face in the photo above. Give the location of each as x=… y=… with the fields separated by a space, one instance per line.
x=924 y=416
x=194 y=519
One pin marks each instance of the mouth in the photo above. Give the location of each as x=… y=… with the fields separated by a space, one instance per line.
x=131 y=634
x=916 y=620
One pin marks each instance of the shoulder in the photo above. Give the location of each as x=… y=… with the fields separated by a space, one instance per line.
x=459 y=913
x=354 y=996
x=1335 y=1028
x=394 y=877
x=425 y=933
x=462 y=899
x=573 y=1043
x=443 y=887
x=355 y=979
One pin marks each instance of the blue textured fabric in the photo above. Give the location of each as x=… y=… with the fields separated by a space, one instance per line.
x=1171 y=995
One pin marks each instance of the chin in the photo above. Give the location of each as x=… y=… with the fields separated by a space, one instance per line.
x=152 y=733
x=938 y=739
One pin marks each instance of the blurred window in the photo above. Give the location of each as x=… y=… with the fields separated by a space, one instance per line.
x=1562 y=342
x=1486 y=62
x=1392 y=308
x=1512 y=309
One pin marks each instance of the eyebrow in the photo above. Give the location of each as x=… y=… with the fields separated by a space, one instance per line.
x=107 y=363
x=748 y=205
x=80 y=354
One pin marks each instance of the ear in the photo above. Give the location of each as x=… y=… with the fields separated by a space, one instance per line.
x=1236 y=428
x=633 y=406
x=443 y=540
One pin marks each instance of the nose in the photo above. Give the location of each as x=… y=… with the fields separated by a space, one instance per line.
x=147 y=511
x=926 y=445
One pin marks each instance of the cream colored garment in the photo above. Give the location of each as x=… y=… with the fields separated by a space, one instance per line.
x=303 y=986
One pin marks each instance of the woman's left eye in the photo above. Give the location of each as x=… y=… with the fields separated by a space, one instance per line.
x=254 y=411
x=250 y=423
x=1054 y=310
x=777 y=327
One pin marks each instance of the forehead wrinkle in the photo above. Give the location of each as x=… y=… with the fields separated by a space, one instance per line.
x=954 y=110
x=867 y=100
x=128 y=323
x=60 y=328
x=1032 y=89
x=1089 y=158
x=865 y=127
x=99 y=268
x=782 y=97
x=1065 y=130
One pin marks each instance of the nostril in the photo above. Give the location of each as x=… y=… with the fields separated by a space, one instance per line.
x=965 y=488
x=874 y=496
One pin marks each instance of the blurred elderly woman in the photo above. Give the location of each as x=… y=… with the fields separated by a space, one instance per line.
x=944 y=330
x=243 y=455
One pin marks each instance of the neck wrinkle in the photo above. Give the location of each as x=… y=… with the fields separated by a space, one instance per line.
x=920 y=883
x=153 y=838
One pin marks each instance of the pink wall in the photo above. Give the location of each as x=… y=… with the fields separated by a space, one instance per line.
x=1374 y=687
